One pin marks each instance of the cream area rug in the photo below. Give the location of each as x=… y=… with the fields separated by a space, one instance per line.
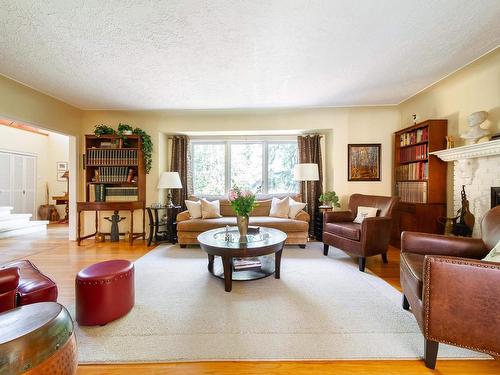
x=321 y=308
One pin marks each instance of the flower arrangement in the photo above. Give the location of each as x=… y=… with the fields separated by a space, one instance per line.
x=243 y=202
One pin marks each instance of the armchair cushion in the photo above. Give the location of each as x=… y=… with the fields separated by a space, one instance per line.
x=494 y=254
x=365 y=212
x=412 y=267
x=345 y=229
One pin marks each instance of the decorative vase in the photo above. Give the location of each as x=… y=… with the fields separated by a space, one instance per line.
x=242 y=222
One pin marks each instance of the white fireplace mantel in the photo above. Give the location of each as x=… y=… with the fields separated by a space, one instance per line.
x=470 y=151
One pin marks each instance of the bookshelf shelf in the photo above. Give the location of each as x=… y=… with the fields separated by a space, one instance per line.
x=419 y=178
x=112 y=161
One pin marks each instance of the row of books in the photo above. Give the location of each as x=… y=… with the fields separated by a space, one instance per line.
x=414 y=153
x=412 y=171
x=415 y=136
x=111 y=156
x=114 y=174
x=103 y=193
x=413 y=192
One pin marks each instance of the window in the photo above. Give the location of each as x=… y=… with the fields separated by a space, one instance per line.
x=261 y=166
x=208 y=168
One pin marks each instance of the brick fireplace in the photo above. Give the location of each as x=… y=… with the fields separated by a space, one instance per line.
x=478 y=168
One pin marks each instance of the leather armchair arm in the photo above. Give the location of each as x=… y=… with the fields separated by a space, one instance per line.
x=303 y=216
x=337 y=216
x=461 y=300
x=9 y=279
x=436 y=244
x=376 y=231
x=183 y=216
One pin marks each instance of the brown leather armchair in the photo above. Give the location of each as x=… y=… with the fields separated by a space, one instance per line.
x=366 y=239
x=454 y=296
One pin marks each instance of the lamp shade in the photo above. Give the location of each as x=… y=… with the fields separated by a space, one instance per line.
x=170 y=180
x=306 y=172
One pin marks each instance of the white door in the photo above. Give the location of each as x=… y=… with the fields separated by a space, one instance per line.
x=5 y=179
x=18 y=182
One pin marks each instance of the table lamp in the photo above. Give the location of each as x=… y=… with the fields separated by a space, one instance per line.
x=170 y=180
x=306 y=172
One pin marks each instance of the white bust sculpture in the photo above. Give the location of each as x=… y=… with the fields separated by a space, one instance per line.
x=475 y=132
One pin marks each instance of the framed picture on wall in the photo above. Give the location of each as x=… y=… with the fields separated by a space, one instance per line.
x=363 y=162
x=60 y=175
x=62 y=166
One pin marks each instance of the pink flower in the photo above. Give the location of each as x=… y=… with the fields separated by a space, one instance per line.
x=247 y=193
x=232 y=195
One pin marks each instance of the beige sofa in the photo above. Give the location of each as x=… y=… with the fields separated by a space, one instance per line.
x=296 y=229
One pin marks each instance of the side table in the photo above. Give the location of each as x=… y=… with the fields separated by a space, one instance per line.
x=162 y=228
x=318 y=222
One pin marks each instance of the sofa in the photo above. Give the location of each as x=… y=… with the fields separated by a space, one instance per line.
x=21 y=283
x=453 y=294
x=371 y=237
x=296 y=229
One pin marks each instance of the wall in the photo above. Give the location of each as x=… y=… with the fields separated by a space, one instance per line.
x=47 y=149
x=339 y=125
x=476 y=87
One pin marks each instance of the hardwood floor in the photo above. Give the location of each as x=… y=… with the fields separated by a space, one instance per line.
x=61 y=260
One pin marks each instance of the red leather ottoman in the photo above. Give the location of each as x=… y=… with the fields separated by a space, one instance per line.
x=33 y=286
x=104 y=292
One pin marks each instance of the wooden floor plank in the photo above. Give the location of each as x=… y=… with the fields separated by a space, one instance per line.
x=62 y=259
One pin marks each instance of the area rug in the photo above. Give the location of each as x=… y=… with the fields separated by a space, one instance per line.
x=321 y=308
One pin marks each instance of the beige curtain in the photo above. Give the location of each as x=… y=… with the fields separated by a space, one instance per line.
x=310 y=152
x=180 y=163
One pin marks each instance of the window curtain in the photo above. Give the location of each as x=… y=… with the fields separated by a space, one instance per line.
x=179 y=162
x=310 y=152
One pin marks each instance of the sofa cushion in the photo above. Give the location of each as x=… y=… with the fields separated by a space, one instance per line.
x=33 y=285
x=201 y=225
x=348 y=230
x=285 y=224
x=413 y=267
x=280 y=207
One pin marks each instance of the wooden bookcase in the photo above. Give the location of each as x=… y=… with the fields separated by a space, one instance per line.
x=419 y=178
x=117 y=165
x=110 y=165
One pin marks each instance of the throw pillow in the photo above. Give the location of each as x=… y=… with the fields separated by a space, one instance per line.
x=194 y=208
x=494 y=254
x=279 y=207
x=295 y=208
x=210 y=210
x=364 y=212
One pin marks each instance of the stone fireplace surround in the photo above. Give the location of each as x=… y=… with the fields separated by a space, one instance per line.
x=478 y=168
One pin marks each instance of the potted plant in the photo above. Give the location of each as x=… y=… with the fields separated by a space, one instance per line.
x=147 y=147
x=103 y=130
x=243 y=203
x=124 y=129
x=330 y=198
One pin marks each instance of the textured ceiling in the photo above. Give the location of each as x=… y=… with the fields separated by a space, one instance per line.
x=194 y=54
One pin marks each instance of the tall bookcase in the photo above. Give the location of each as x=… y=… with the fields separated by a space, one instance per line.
x=419 y=178
x=116 y=165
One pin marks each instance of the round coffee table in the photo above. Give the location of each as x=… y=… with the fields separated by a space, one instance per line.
x=228 y=245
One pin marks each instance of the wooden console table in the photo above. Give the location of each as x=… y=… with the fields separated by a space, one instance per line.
x=111 y=206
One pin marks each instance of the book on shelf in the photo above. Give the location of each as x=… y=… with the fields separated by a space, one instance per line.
x=412 y=191
x=412 y=137
x=414 y=153
x=121 y=194
x=114 y=174
x=413 y=171
x=97 y=193
x=240 y=264
x=121 y=156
